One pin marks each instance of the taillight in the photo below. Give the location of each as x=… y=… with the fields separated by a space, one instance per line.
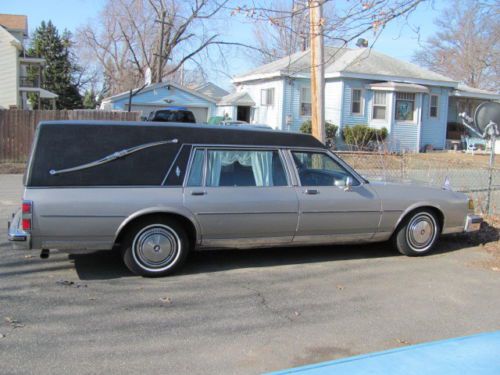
x=26 y=224
x=27 y=215
x=26 y=207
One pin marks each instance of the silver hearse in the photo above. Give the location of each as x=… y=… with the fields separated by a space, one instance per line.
x=157 y=191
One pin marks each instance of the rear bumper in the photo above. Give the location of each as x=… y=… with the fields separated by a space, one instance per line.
x=473 y=223
x=19 y=239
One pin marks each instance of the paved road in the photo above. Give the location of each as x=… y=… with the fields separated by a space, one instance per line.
x=240 y=312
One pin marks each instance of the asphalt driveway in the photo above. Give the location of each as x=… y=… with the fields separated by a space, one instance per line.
x=235 y=312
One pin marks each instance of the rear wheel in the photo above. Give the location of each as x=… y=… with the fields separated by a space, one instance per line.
x=418 y=234
x=155 y=247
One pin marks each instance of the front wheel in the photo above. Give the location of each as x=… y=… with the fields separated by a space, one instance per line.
x=155 y=247
x=418 y=234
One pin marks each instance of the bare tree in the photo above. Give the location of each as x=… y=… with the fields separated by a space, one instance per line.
x=282 y=26
x=276 y=39
x=127 y=38
x=466 y=46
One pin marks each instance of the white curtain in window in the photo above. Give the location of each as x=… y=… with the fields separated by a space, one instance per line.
x=260 y=161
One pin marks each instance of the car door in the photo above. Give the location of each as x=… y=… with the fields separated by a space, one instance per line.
x=241 y=197
x=329 y=210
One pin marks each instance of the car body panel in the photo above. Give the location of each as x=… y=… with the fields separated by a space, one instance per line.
x=260 y=215
x=333 y=212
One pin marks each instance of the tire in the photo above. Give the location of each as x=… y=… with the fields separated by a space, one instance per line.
x=418 y=233
x=155 y=247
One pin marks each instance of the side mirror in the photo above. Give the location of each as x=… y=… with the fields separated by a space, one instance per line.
x=348 y=184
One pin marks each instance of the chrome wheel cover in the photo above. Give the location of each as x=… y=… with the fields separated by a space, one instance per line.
x=156 y=247
x=421 y=232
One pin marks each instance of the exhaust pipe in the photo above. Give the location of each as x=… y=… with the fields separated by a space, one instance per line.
x=44 y=254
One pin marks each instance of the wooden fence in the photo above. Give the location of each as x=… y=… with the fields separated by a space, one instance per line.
x=17 y=127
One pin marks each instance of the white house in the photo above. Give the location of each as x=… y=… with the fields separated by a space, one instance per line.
x=362 y=86
x=15 y=85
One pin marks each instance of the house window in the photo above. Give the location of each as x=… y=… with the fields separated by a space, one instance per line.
x=379 y=105
x=434 y=106
x=305 y=101
x=267 y=97
x=405 y=105
x=356 y=102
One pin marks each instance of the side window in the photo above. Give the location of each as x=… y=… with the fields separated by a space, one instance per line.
x=196 y=173
x=245 y=168
x=319 y=169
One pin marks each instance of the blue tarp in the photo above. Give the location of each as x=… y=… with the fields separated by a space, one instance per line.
x=477 y=355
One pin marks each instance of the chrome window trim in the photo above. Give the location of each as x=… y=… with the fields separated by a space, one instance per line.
x=172 y=165
x=208 y=147
x=189 y=165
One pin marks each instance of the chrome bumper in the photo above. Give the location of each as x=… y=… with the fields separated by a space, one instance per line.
x=19 y=239
x=473 y=223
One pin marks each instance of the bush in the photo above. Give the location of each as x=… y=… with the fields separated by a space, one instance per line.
x=361 y=136
x=330 y=129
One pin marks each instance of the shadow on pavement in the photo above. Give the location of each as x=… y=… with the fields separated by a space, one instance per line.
x=108 y=265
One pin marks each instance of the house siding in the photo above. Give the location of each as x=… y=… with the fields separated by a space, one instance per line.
x=333 y=101
x=269 y=115
x=348 y=118
x=433 y=130
x=9 y=72
x=230 y=110
x=404 y=135
x=294 y=88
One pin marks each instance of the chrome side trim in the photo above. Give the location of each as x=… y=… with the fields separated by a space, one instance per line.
x=245 y=243
x=335 y=239
x=109 y=158
x=85 y=216
x=245 y=213
x=340 y=211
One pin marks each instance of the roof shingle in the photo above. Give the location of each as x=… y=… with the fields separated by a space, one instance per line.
x=14 y=22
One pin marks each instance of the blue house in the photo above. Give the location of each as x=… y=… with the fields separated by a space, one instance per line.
x=201 y=101
x=362 y=86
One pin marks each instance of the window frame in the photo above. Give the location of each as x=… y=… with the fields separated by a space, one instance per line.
x=379 y=105
x=355 y=175
x=266 y=102
x=301 y=101
x=361 y=101
x=436 y=106
x=414 y=114
x=207 y=148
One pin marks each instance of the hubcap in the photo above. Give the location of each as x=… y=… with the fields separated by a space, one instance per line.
x=421 y=232
x=156 y=247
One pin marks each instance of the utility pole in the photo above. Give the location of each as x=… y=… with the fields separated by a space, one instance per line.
x=160 y=55
x=317 y=69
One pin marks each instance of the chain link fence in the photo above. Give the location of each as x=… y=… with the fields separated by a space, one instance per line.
x=466 y=173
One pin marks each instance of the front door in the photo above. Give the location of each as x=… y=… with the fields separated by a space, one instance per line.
x=330 y=211
x=241 y=197
x=243 y=113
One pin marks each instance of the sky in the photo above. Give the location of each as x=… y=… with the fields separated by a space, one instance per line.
x=399 y=39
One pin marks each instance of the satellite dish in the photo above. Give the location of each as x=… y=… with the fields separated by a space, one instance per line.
x=485 y=114
x=147 y=77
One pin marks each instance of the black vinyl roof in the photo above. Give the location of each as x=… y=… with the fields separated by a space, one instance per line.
x=203 y=133
x=60 y=145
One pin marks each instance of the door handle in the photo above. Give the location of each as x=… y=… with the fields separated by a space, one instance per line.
x=311 y=191
x=198 y=192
